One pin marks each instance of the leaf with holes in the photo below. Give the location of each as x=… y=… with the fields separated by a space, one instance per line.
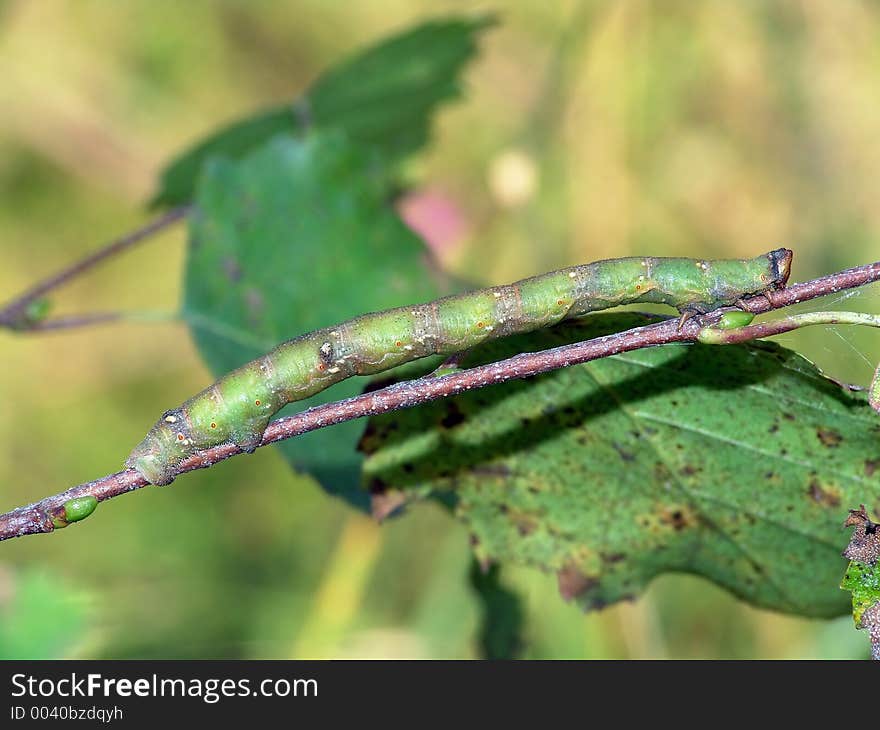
x=735 y=463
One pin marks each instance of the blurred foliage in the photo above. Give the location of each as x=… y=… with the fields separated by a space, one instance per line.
x=42 y=616
x=589 y=129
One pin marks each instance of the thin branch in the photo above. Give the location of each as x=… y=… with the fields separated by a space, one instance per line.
x=73 y=321
x=14 y=313
x=713 y=336
x=42 y=516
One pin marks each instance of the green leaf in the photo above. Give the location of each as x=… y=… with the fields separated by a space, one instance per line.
x=383 y=96
x=297 y=236
x=735 y=463
x=863 y=581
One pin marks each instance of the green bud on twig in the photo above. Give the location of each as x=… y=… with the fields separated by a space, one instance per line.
x=73 y=510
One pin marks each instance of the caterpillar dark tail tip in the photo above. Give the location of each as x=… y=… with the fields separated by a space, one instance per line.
x=780 y=260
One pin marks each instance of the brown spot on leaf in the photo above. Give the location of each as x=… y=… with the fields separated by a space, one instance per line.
x=788 y=416
x=826 y=496
x=231 y=269
x=678 y=518
x=524 y=522
x=661 y=472
x=573 y=583
x=491 y=470
x=626 y=456
x=871 y=465
x=829 y=437
x=255 y=304
x=611 y=558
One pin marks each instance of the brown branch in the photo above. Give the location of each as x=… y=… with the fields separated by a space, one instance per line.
x=14 y=313
x=73 y=321
x=37 y=517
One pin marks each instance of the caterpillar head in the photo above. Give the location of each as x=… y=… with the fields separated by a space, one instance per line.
x=166 y=444
x=780 y=262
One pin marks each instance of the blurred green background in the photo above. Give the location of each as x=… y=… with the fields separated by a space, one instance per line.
x=589 y=129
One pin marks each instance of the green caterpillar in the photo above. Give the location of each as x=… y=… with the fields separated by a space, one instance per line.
x=237 y=408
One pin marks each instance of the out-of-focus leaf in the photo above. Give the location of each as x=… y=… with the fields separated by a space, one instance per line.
x=40 y=618
x=383 y=97
x=298 y=235
x=734 y=463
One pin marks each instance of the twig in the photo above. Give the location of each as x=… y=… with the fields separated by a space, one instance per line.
x=38 y=517
x=14 y=313
x=72 y=321
x=712 y=336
